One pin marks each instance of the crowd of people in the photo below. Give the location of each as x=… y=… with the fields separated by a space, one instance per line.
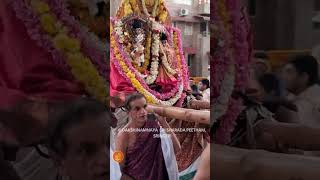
x=292 y=91
x=200 y=91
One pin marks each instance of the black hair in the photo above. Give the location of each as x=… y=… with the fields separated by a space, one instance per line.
x=270 y=83
x=131 y=98
x=136 y=24
x=206 y=82
x=74 y=113
x=261 y=55
x=163 y=37
x=194 y=87
x=307 y=64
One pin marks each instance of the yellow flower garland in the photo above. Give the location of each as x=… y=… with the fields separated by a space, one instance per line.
x=127 y=8
x=135 y=6
x=176 y=47
x=162 y=12
x=81 y=66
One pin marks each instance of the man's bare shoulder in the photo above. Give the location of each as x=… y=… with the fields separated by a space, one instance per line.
x=122 y=135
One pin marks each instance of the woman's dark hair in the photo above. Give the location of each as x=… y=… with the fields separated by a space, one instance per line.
x=74 y=113
x=307 y=64
x=131 y=98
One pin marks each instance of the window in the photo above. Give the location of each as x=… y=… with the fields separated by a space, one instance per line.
x=204 y=1
x=203 y=26
x=188 y=29
x=186 y=2
x=190 y=59
x=174 y=24
x=252 y=7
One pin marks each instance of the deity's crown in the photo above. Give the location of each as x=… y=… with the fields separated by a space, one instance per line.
x=149 y=8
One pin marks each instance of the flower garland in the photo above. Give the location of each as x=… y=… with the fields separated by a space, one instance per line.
x=155 y=58
x=129 y=73
x=131 y=77
x=71 y=49
x=162 y=13
x=44 y=27
x=226 y=88
x=90 y=46
x=222 y=102
x=165 y=62
x=127 y=8
x=135 y=6
x=236 y=43
x=127 y=61
x=118 y=29
x=155 y=50
x=181 y=63
x=147 y=53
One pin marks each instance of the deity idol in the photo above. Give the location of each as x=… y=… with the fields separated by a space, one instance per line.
x=146 y=56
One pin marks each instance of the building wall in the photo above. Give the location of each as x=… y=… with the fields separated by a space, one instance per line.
x=284 y=24
x=199 y=65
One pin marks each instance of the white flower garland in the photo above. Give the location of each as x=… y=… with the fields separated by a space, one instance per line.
x=119 y=31
x=155 y=59
x=171 y=101
x=220 y=106
x=154 y=65
x=155 y=48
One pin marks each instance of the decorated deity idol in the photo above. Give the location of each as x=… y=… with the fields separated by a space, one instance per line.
x=146 y=56
x=144 y=49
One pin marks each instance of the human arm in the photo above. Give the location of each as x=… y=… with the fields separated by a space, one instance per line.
x=121 y=146
x=244 y=164
x=164 y=124
x=204 y=166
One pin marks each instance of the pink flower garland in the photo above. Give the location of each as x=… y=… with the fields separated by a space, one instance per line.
x=88 y=46
x=35 y=32
x=242 y=53
x=227 y=122
x=184 y=68
x=32 y=23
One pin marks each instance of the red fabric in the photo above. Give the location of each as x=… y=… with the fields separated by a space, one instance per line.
x=165 y=80
x=144 y=160
x=26 y=70
x=118 y=84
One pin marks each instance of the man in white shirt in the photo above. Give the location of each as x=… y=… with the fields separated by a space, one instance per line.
x=301 y=76
x=204 y=87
